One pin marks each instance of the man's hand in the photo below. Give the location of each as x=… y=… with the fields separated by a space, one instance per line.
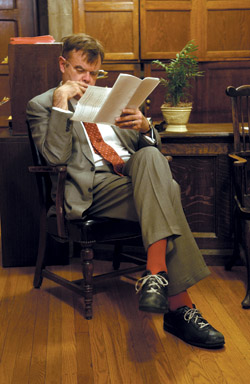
x=133 y=119
x=67 y=91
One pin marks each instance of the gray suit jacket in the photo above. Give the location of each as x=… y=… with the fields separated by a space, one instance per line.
x=62 y=141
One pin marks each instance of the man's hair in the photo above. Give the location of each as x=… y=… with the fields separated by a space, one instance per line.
x=89 y=46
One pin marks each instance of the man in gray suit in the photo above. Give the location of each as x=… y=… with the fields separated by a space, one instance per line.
x=143 y=191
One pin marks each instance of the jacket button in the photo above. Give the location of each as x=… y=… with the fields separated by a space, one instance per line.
x=90 y=189
x=92 y=169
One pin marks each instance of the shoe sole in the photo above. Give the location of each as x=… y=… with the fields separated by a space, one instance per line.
x=152 y=309
x=174 y=332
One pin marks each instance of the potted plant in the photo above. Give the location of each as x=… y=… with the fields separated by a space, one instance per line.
x=179 y=73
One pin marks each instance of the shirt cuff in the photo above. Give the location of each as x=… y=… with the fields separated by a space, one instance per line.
x=62 y=110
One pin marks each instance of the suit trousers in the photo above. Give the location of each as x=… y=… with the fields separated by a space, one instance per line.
x=147 y=193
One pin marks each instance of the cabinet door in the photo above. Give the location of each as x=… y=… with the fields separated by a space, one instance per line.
x=166 y=26
x=17 y=18
x=114 y=23
x=41 y=74
x=226 y=29
x=201 y=167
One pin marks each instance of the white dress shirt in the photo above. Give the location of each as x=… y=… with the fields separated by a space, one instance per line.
x=109 y=136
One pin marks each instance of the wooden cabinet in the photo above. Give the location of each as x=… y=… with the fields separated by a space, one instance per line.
x=4 y=92
x=200 y=165
x=136 y=32
x=220 y=28
x=149 y=29
x=19 y=206
x=18 y=202
x=17 y=18
x=38 y=78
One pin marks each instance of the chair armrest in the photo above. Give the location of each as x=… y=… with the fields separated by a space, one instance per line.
x=238 y=161
x=169 y=158
x=48 y=168
x=61 y=171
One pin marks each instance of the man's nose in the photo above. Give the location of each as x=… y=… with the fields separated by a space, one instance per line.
x=86 y=77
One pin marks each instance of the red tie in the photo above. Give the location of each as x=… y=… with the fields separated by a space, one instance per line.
x=103 y=149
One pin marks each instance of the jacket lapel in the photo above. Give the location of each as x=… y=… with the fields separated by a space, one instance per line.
x=79 y=132
x=85 y=148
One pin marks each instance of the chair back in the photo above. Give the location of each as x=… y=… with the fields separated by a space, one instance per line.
x=240 y=116
x=42 y=179
x=241 y=156
x=240 y=167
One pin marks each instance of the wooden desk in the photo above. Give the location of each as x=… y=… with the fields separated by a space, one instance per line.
x=201 y=167
x=19 y=206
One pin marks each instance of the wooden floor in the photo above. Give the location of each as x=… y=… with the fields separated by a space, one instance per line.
x=44 y=337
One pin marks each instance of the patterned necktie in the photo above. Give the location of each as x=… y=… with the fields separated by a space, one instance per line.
x=103 y=149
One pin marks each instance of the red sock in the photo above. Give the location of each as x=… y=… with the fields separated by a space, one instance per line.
x=156 y=257
x=179 y=300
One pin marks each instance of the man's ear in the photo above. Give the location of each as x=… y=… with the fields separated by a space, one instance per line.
x=62 y=62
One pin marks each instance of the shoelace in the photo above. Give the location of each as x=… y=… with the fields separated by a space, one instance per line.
x=195 y=314
x=155 y=282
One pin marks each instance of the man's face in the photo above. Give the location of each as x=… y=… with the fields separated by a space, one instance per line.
x=76 y=68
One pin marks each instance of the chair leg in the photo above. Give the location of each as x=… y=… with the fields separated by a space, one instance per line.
x=87 y=255
x=246 y=301
x=116 y=255
x=38 y=278
x=237 y=239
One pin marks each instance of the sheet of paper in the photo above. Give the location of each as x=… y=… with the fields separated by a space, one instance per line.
x=145 y=88
x=117 y=100
x=90 y=103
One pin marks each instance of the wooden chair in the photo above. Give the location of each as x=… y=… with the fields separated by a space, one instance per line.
x=86 y=232
x=240 y=161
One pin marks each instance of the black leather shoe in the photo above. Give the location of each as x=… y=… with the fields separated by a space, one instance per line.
x=153 y=292
x=189 y=325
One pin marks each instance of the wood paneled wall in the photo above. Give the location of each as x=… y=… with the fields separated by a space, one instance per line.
x=138 y=31
x=150 y=29
x=210 y=103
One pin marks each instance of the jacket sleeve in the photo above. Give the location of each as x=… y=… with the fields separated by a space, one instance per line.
x=51 y=129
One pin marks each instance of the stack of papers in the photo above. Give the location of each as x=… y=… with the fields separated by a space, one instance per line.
x=104 y=105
